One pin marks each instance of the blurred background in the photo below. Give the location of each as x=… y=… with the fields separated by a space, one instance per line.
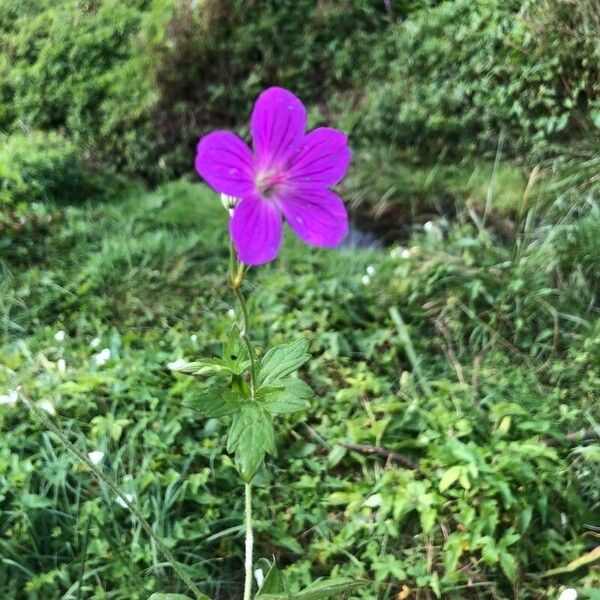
x=452 y=449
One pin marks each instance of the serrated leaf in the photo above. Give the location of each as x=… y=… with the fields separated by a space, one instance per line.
x=215 y=403
x=250 y=437
x=234 y=353
x=282 y=360
x=286 y=396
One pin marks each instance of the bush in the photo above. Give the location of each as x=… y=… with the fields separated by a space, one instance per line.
x=465 y=75
x=40 y=167
x=212 y=63
x=139 y=82
x=76 y=66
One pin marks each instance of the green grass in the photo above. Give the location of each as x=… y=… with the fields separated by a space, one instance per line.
x=494 y=362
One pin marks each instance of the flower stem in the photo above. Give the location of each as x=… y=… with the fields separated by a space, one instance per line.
x=249 y=543
x=246 y=338
x=113 y=486
x=236 y=278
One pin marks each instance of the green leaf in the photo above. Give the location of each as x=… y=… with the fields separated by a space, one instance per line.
x=273 y=582
x=584 y=559
x=453 y=549
x=208 y=366
x=327 y=588
x=291 y=395
x=234 y=353
x=216 y=402
x=234 y=360
x=282 y=360
x=449 y=477
x=250 y=437
x=509 y=566
x=159 y=596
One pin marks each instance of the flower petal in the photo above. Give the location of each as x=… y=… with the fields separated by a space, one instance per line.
x=256 y=230
x=278 y=123
x=225 y=162
x=318 y=217
x=322 y=159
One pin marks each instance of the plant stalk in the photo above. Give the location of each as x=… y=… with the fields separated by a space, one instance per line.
x=114 y=488
x=249 y=543
x=236 y=278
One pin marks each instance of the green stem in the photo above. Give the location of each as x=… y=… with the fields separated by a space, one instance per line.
x=113 y=486
x=249 y=543
x=236 y=278
x=246 y=338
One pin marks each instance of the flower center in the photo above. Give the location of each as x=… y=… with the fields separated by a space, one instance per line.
x=269 y=182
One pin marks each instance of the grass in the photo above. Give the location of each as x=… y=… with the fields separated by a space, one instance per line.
x=473 y=355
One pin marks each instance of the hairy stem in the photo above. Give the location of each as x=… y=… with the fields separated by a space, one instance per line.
x=113 y=486
x=246 y=338
x=249 y=544
x=236 y=278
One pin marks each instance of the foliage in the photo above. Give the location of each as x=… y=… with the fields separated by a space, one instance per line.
x=213 y=62
x=41 y=167
x=139 y=82
x=76 y=66
x=492 y=364
x=485 y=74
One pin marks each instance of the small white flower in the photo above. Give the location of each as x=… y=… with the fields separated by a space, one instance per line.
x=102 y=357
x=405 y=253
x=366 y=280
x=95 y=342
x=428 y=227
x=96 y=457
x=371 y=270
x=61 y=365
x=48 y=407
x=568 y=594
x=259 y=576
x=231 y=313
x=10 y=398
x=59 y=336
x=193 y=338
x=175 y=365
x=229 y=202
x=121 y=502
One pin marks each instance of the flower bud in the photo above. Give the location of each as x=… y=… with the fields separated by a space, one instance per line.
x=229 y=202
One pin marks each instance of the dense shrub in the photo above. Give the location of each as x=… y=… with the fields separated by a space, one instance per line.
x=38 y=166
x=213 y=62
x=76 y=66
x=465 y=75
x=139 y=82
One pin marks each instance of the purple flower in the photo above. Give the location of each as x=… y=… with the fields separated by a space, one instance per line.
x=288 y=176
